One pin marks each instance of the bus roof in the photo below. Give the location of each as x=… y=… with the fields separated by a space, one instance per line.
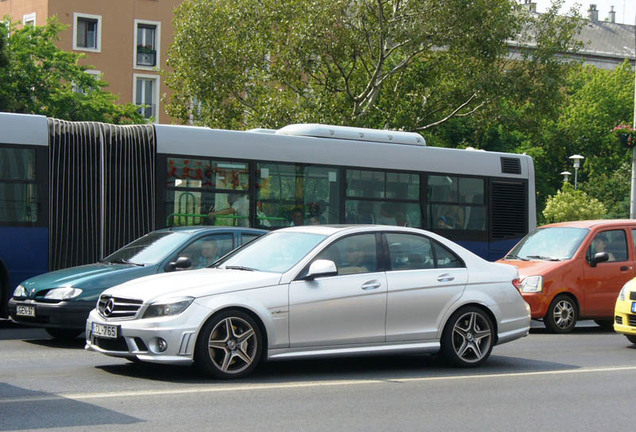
x=24 y=129
x=266 y=146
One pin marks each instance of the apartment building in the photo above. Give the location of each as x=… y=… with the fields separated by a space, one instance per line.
x=125 y=41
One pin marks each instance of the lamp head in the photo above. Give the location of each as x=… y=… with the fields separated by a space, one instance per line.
x=566 y=175
x=577 y=160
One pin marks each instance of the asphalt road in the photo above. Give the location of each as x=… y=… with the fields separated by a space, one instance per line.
x=584 y=381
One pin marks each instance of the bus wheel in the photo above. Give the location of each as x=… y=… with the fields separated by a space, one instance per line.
x=63 y=334
x=562 y=314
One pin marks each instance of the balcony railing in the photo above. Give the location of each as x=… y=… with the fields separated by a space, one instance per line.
x=146 y=57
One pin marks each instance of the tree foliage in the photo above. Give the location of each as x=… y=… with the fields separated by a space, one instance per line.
x=596 y=101
x=378 y=63
x=572 y=204
x=36 y=77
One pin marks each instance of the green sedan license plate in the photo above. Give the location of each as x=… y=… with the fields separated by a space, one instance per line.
x=105 y=331
x=24 y=310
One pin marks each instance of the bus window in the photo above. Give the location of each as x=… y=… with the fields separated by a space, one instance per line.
x=403 y=186
x=456 y=203
x=383 y=213
x=386 y=198
x=293 y=194
x=199 y=192
x=18 y=191
x=321 y=195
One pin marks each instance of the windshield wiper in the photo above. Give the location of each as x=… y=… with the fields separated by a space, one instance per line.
x=544 y=258
x=511 y=256
x=239 y=268
x=125 y=261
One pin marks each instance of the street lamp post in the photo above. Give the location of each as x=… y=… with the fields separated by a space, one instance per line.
x=566 y=176
x=577 y=164
x=632 y=198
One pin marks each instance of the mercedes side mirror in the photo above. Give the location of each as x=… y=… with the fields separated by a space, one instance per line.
x=321 y=268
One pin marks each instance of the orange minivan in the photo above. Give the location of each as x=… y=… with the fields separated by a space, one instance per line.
x=574 y=270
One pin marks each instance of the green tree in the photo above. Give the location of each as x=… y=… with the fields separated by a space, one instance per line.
x=36 y=77
x=570 y=204
x=409 y=65
x=596 y=101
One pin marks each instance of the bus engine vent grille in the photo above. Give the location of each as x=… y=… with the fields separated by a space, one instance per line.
x=510 y=165
x=509 y=204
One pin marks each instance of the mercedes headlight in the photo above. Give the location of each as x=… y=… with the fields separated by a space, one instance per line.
x=623 y=294
x=168 y=307
x=64 y=293
x=20 y=291
x=532 y=284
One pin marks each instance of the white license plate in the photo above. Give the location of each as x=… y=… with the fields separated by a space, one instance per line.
x=634 y=307
x=23 y=310
x=105 y=331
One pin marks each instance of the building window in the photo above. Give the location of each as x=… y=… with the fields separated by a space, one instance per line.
x=28 y=20
x=147 y=95
x=147 y=44
x=95 y=74
x=87 y=33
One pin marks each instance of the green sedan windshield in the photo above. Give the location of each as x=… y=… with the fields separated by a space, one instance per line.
x=149 y=249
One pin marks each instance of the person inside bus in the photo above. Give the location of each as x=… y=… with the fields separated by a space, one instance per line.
x=239 y=208
x=450 y=217
x=297 y=217
x=386 y=216
x=365 y=213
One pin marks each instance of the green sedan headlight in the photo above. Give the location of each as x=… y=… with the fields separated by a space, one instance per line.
x=20 y=291
x=168 y=307
x=64 y=293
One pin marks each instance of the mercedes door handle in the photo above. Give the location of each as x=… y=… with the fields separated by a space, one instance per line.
x=445 y=278
x=370 y=285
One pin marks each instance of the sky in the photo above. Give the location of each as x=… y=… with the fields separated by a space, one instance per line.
x=625 y=9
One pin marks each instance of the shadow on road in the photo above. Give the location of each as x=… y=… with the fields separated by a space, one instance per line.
x=26 y=409
x=358 y=368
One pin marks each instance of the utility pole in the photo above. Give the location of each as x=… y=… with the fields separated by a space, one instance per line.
x=632 y=201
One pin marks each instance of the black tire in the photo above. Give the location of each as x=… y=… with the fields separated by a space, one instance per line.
x=562 y=314
x=468 y=337
x=607 y=324
x=631 y=338
x=229 y=346
x=63 y=334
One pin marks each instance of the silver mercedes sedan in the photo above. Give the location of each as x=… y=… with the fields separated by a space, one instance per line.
x=313 y=291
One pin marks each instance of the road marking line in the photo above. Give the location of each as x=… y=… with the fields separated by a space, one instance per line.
x=304 y=384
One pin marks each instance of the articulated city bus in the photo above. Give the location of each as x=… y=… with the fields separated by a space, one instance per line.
x=72 y=192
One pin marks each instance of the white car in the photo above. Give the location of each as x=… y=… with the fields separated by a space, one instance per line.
x=314 y=291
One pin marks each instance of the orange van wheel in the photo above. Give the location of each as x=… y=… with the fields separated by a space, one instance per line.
x=562 y=314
